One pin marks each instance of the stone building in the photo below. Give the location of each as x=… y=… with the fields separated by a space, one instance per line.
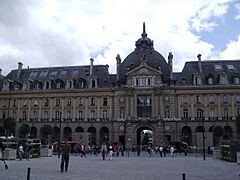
x=88 y=104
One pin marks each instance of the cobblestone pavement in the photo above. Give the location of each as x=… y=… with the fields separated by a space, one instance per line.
x=122 y=168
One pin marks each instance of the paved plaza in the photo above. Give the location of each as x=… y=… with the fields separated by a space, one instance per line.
x=123 y=168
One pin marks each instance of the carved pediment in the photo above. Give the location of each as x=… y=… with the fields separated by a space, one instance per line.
x=143 y=70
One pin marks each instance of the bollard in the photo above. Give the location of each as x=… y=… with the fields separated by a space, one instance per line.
x=28 y=173
x=183 y=176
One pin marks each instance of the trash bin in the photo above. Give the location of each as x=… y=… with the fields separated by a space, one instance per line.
x=216 y=154
x=9 y=154
x=238 y=157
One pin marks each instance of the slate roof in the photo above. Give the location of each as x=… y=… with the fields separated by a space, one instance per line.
x=63 y=74
x=210 y=69
x=144 y=50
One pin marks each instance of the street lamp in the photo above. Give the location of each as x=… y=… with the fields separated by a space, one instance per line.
x=203 y=139
x=60 y=127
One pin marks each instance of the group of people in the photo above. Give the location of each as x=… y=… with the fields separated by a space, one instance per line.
x=157 y=149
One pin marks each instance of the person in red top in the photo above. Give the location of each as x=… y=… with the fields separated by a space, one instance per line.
x=66 y=148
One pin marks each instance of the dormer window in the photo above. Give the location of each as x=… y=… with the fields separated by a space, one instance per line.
x=58 y=85
x=210 y=79
x=223 y=79
x=236 y=80
x=47 y=85
x=93 y=84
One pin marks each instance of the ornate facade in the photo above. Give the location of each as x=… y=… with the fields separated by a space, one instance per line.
x=87 y=103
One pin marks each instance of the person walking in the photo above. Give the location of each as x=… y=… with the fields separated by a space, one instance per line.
x=2 y=148
x=172 y=151
x=104 y=150
x=21 y=152
x=66 y=148
x=110 y=152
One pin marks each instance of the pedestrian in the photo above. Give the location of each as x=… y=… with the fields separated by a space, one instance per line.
x=2 y=148
x=27 y=151
x=20 y=151
x=160 y=151
x=104 y=150
x=110 y=152
x=66 y=148
x=138 y=150
x=172 y=151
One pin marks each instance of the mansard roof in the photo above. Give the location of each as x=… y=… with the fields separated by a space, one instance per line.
x=210 y=68
x=63 y=74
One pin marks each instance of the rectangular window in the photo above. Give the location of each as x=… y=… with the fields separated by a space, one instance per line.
x=93 y=115
x=46 y=102
x=185 y=113
x=69 y=115
x=92 y=101
x=105 y=102
x=184 y=99
x=80 y=114
x=69 y=101
x=238 y=99
x=144 y=106
x=45 y=114
x=225 y=99
x=198 y=99
x=80 y=101
x=144 y=81
x=104 y=114
x=57 y=102
x=211 y=99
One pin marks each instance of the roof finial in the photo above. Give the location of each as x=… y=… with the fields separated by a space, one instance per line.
x=144 y=34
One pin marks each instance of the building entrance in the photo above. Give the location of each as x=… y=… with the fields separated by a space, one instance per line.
x=144 y=136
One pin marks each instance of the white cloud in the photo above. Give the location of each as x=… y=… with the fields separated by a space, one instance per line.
x=65 y=33
x=232 y=50
x=237 y=6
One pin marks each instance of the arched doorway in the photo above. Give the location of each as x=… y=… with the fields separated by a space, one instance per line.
x=228 y=134
x=187 y=135
x=67 y=133
x=1 y=131
x=104 y=135
x=144 y=136
x=56 y=134
x=79 y=130
x=33 y=132
x=199 y=129
x=92 y=135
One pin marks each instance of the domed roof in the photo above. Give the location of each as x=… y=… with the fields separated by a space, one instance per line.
x=144 y=48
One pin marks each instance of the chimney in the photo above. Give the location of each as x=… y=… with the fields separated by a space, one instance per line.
x=199 y=63
x=170 y=58
x=91 y=66
x=118 y=58
x=19 y=69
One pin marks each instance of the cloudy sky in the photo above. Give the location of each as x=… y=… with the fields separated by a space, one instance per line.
x=42 y=33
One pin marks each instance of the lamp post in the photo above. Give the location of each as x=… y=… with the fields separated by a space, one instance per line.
x=60 y=127
x=203 y=139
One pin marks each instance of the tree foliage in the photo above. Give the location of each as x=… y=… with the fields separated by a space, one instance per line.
x=46 y=130
x=24 y=129
x=9 y=125
x=218 y=131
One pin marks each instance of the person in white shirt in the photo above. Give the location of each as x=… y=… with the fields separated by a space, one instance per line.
x=21 y=152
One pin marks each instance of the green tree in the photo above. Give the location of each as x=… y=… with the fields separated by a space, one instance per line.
x=217 y=133
x=9 y=125
x=46 y=130
x=238 y=126
x=24 y=129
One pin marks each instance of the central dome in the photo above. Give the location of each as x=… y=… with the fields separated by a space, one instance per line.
x=144 y=48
